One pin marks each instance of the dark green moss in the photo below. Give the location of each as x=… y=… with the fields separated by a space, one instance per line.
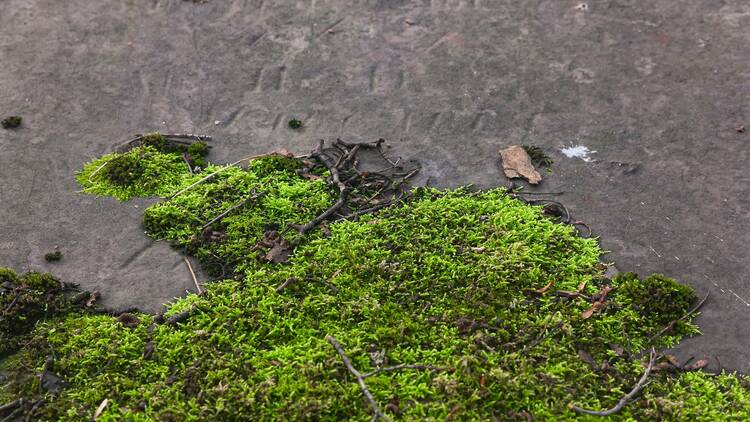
x=538 y=156
x=295 y=124
x=126 y=169
x=53 y=256
x=11 y=122
x=25 y=300
x=659 y=298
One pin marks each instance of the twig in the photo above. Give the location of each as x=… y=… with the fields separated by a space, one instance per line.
x=628 y=397
x=343 y=192
x=186 y=136
x=682 y=318
x=187 y=162
x=14 y=415
x=195 y=280
x=288 y=282
x=581 y=223
x=232 y=208
x=360 y=378
x=207 y=177
x=11 y=405
x=405 y=366
x=97 y=170
x=33 y=410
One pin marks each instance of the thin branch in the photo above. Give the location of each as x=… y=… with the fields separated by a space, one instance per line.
x=343 y=191
x=232 y=208
x=628 y=397
x=11 y=405
x=187 y=162
x=192 y=273
x=405 y=366
x=360 y=378
x=682 y=318
x=207 y=177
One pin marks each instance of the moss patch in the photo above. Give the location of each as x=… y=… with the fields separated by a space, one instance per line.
x=507 y=313
x=11 y=122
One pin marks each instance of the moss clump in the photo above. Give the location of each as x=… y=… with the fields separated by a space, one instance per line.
x=295 y=124
x=53 y=256
x=658 y=298
x=142 y=171
x=232 y=242
x=538 y=156
x=11 y=122
x=24 y=300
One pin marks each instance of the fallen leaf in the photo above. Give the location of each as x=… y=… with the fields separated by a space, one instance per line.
x=619 y=350
x=586 y=357
x=517 y=163
x=279 y=248
x=602 y=295
x=92 y=298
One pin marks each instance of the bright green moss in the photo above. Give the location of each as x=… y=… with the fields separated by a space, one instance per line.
x=142 y=171
x=452 y=279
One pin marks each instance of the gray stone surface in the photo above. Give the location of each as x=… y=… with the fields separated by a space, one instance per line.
x=655 y=88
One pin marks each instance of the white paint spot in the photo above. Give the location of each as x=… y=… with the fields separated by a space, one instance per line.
x=578 y=151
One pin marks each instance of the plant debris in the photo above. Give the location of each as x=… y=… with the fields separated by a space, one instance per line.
x=295 y=124
x=517 y=163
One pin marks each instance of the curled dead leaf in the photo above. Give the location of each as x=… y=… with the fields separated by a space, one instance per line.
x=596 y=306
x=517 y=163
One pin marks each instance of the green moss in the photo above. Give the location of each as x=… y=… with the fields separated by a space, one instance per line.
x=295 y=124
x=538 y=156
x=462 y=281
x=142 y=171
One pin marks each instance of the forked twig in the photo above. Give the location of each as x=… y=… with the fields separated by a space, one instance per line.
x=358 y=375
x=671 y=325
x=232 y=208
x=628 y=397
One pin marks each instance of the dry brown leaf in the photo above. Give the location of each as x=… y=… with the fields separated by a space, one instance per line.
x=586 y=357
x=619 y=350
x=92 y=298
x=517 y=163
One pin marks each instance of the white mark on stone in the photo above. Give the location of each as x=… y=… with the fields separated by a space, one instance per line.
x=578 y=151
x=645 y=65
x=583 y=75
